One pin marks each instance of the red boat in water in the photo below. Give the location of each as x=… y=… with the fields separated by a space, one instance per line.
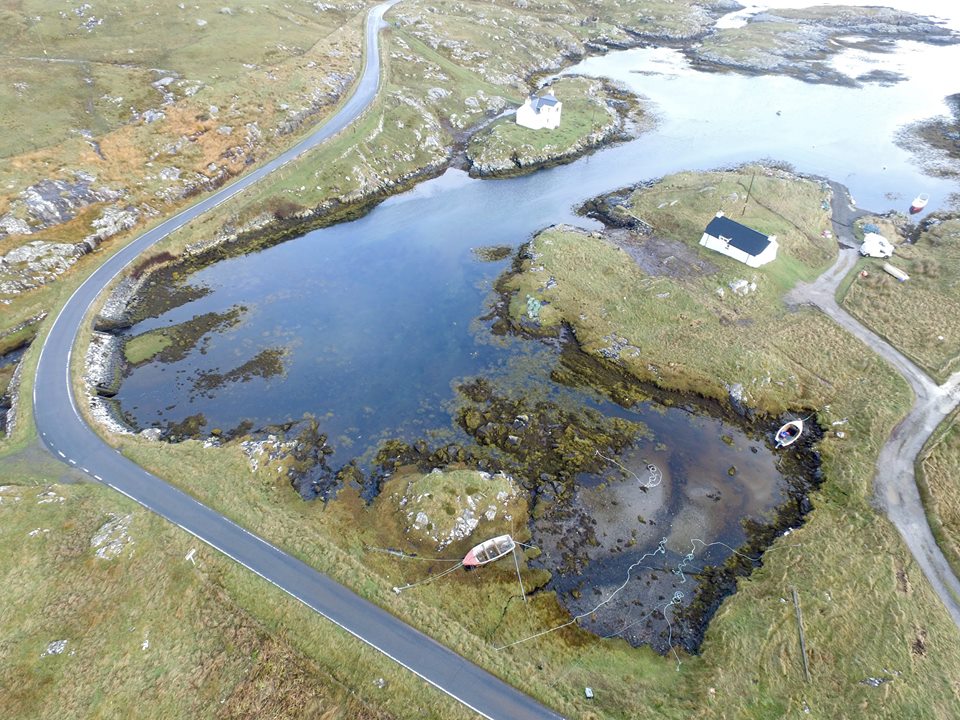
x=919 y=203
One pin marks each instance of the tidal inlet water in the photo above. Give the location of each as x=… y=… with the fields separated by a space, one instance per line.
x=377 y=322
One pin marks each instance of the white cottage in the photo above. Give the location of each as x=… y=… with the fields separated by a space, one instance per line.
x=540 y=111
x=739 y=242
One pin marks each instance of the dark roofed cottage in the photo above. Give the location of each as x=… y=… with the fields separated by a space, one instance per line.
x=738 y=241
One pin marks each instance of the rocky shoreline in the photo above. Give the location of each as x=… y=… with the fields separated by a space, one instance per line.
x=625 y=120
x=800 y=43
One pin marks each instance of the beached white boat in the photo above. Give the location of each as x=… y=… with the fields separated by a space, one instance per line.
x=489 y=550
x=788 y=433
x=919 y=203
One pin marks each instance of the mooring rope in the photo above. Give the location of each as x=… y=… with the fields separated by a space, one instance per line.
x=661 y=548
x=407 y=556
x=655 y=473
x=400 y=588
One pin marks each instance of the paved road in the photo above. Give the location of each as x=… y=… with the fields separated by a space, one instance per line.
x=69 y=438
x=894 y=482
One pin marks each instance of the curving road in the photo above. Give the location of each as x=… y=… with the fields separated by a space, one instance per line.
x=68 y=437
x=895 y=481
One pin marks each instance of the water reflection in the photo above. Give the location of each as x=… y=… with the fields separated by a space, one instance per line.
x=378 y=314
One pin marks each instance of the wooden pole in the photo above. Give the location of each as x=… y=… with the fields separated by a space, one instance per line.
x=749 y=190
x=803 y=642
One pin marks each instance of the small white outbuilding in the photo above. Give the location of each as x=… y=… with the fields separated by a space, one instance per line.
x=540 y=111
x=740 y=242
x=876 y=246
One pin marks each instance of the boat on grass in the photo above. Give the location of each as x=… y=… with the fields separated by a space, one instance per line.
x=919 y=203
x=788 y=433
x=489 y=550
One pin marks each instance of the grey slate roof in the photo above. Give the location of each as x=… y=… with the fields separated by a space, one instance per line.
x=739 y=236
x=543 y=101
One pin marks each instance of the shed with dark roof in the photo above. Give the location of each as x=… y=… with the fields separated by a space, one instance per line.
x=738 y=241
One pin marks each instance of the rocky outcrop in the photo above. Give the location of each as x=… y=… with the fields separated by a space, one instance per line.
x=54 y=202
x=103 y=370
x=34 y=264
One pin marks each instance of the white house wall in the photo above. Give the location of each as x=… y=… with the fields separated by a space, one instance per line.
x=548 y=117
x=724 y=248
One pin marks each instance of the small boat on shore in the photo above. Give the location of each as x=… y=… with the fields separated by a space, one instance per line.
x=788 y=433
x=489 y=550
x=919 y=203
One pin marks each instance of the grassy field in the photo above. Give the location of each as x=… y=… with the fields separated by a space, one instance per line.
x=147 y=628
x=474 y=613
x=918 y=317
x=661 y=311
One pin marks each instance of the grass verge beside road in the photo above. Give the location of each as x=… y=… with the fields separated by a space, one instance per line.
x=148 y=629
x=938 y=471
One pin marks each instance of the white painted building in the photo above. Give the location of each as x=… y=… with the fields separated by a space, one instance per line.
x=540 y=111
x=734 y=240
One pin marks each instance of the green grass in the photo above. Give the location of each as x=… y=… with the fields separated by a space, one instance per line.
x=602 y=293
x=938 y=468
x=846 y=561
x=473 y=613
x=147 y=345
x=153 y=633
x=919 y=317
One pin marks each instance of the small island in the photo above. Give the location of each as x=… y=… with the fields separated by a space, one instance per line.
x=595 y=113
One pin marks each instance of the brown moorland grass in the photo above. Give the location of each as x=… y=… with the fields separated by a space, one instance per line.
x=919 y=317
x=151 y=632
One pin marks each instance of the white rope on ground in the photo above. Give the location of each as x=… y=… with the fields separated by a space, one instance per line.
x=654 y=479
x=675 y=600
x=516 y=562
x=407 y=556
x=677 y=596
x=399 y=589
x=661 y=548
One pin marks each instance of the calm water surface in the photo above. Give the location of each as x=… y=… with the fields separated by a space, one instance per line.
x=380 y=315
